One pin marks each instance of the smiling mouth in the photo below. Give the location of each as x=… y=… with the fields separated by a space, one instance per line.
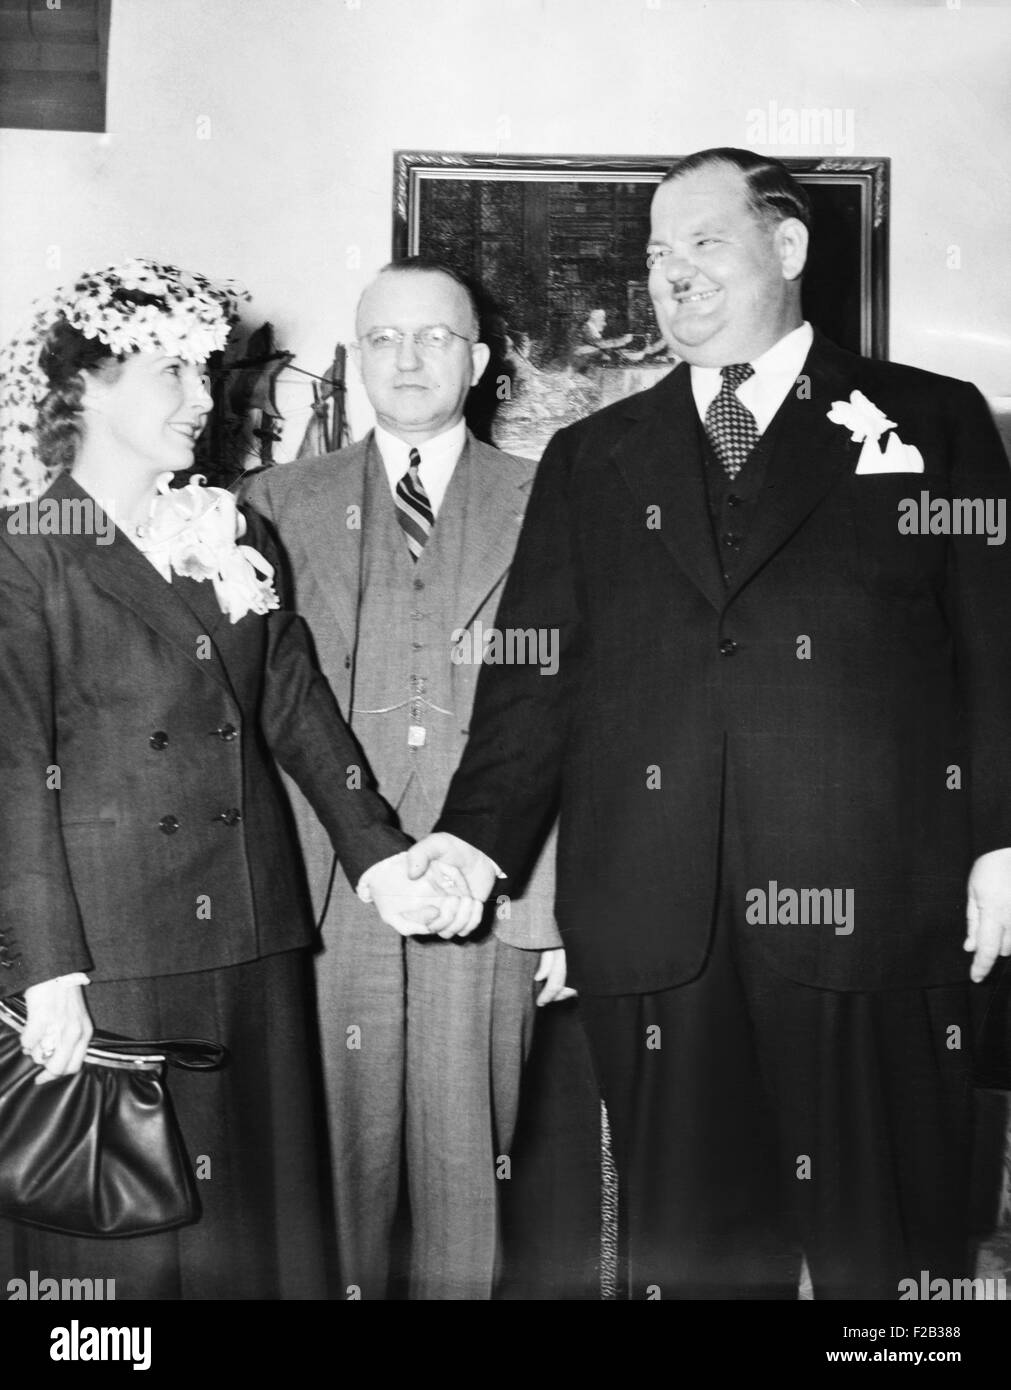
x=190 y=432
x=696 y=297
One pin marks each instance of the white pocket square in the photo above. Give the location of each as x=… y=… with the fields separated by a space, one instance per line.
x=897 y=457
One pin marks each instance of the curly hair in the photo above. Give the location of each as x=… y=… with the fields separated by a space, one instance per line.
x=65 y=355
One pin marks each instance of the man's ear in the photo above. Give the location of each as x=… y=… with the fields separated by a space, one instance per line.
x=479 y=356
x=791 y=238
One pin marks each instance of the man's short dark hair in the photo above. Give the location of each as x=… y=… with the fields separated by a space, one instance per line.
x=431 y=266
x=772 y=191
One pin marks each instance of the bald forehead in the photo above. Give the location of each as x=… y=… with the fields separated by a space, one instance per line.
x=412 y=299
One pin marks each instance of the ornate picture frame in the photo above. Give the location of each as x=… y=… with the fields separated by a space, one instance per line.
x=555 y=245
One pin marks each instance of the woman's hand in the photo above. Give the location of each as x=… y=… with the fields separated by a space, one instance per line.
x=58 y=1030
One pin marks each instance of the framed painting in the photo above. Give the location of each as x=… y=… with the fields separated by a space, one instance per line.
x=555 y=245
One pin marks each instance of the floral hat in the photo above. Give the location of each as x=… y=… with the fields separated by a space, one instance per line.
x=191 y=319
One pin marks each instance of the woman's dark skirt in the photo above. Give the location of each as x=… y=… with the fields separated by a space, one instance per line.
x=253 y=1131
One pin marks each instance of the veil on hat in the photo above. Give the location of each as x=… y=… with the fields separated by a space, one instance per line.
x=176 y=312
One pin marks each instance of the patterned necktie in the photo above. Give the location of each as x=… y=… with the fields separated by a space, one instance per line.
x=414 y=511
x=730 y=425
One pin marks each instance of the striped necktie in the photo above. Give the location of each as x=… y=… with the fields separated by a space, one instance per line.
x=414 y=511
x=730 y=425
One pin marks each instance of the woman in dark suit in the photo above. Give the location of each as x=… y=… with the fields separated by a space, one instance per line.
x=149 y=679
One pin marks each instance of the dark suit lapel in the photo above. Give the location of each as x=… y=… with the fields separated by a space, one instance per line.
x=477 y=528
x=120 y=570
x=809 y=454
x=660 y=458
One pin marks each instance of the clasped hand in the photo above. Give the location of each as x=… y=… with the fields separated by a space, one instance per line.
x=422 y=896
x=438 y=887
x=58 y=1030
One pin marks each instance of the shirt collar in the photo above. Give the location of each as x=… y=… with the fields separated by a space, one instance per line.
x=439 y=457
x=775 y=371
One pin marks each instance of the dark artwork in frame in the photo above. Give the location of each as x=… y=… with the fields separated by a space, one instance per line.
x=555 y=246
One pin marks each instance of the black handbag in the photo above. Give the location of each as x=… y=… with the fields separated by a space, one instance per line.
x=99 y=1153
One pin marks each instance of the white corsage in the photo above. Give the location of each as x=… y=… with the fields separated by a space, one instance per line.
x=194 y=531
x=867 y=423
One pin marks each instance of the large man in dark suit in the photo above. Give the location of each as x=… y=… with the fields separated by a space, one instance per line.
x=780 y=734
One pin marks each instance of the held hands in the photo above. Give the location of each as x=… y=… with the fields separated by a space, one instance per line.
x=432 y=901
x=58 y=1030
x=447 y=851
x=988 y=913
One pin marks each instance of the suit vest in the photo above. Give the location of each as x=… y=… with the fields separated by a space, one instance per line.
x=404 y=707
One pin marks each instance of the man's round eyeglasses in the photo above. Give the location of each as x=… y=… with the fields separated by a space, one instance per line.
x=436 y=337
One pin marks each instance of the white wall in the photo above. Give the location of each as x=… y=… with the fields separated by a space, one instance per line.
x=307 y=99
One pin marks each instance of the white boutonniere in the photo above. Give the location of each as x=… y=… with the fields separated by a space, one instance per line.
x=866 y=424
x=195 y=530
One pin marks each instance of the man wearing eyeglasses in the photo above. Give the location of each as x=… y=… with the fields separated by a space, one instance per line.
x=400 y=546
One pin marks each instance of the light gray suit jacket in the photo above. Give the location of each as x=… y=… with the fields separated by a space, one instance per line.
x=317 y=506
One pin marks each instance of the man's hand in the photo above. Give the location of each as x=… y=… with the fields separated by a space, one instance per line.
x=58 y=1030
x=552 y=971
x=443 y=853
x=988 y=913
x=420 y=904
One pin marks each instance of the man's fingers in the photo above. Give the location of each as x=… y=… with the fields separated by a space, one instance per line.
x=553 y=994
x=447 y=878
x=463 y=917
x=448 y=911
x=971 y=923
x=989 y=938
x=467 y=918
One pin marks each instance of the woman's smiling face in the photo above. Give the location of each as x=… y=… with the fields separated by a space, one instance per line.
x=152 y=409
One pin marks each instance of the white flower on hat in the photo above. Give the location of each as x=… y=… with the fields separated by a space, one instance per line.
x=192 y=319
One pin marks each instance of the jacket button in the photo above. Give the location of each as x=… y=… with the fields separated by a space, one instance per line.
x=227 y=732
x=168 y=825
x=159 y=741
x=347 y=663
x=418 y=583
x=728 y=646
x=230 y=817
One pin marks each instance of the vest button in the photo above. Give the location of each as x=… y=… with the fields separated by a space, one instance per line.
x=731 y=540
x=168 y=825
x=418 y=583
x=347 y=663
x=728 y=646
x=733 y=500
x=159 y=741
x=230 y=817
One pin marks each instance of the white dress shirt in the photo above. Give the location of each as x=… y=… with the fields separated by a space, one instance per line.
x=439 y=457
x=776 y=373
